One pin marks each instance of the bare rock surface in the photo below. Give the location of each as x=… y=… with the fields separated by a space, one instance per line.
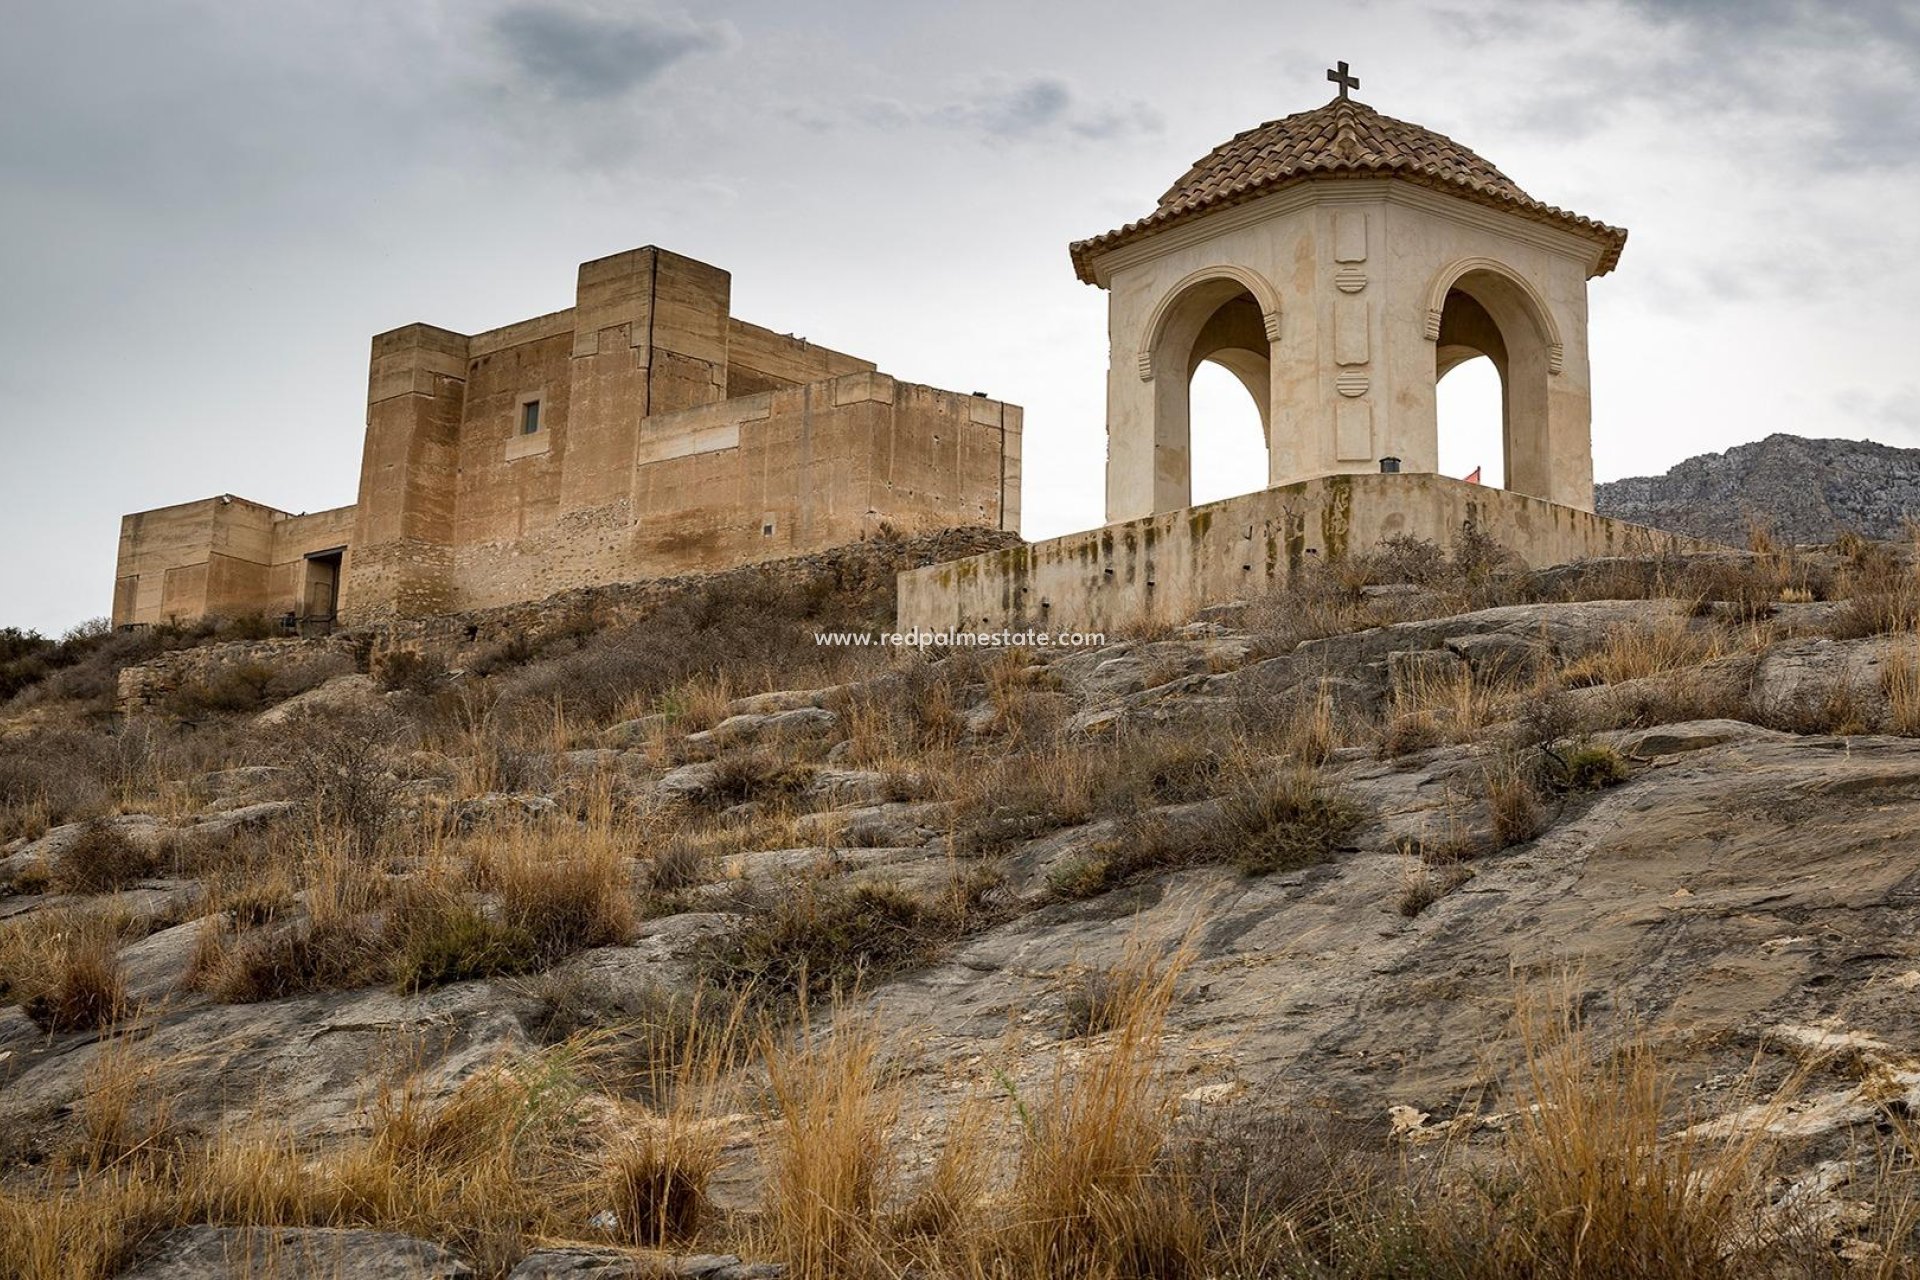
x=1760 y=880
x=294 y=1253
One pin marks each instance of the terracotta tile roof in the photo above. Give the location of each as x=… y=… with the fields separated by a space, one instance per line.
x=1343 y=139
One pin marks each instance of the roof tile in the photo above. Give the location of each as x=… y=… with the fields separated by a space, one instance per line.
x=1344 y=138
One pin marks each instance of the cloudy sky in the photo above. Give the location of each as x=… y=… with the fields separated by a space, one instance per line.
x=207 y=208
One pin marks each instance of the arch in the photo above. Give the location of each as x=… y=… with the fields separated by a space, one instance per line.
x=1264 y=295
x=1488 y=311
x=1217 y=315
x=1536 y=308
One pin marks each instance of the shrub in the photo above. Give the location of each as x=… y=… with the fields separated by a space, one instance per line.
x=563 y=904
x=1426 y=885
x=1099 y=1000
x=818 y=935
x=85 y=990
x=1144 y=844
x=1514 y=803
x=1883 y=596
x=1589 y=766
x=235 y=689
x=408 y=670
x=1284 y=823
x=315 y=955
x=339 y=762
x=453 y=940
x=101 y=859
x=754 y=774
x=677 y=865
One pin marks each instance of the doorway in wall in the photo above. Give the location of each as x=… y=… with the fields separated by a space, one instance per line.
x=320 y=597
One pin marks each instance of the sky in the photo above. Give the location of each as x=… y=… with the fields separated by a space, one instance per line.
x=208 y=208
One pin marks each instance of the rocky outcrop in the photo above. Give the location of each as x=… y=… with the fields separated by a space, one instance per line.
x=1797 y=489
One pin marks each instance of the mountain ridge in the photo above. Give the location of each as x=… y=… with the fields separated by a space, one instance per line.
x=1798 y=488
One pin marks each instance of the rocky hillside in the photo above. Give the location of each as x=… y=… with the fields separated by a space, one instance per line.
x=1378 y=928
x=1796 y=489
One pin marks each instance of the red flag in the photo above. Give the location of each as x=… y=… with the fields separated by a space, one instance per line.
x=1473 y=476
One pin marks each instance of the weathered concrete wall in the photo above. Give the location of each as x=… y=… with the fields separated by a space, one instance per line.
x=1166 y=568
x=221 y=557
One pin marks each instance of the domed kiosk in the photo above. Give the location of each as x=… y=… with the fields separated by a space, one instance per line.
x=1339 y=263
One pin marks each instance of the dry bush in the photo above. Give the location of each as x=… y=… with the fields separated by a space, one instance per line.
x=655 y=1174
x=1597 y=1186
x=752 y=627
x=1588 y=766
x=101 y=859
x=1265 y=823
x=1900 y=679
x=1281 y=1191
x=52 y=777
x=1011 y=799
x=1173 y=765
x=1516 y=806
x=1453 y=707
x=1425 y=884
x=824 y=933
x=830 y=1166
x=678 y=864
x=1099 y=1000
x=343 y=765
x=754 y=774
x=565 y=899
x=1719 y=691
x=408 y=671
x=64 y=970
x=1882 y=592
x=125 y=1109
x=1283 y=821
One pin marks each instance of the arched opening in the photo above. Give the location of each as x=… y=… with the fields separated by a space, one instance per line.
x=1229 y=435
x=1211 y=328
x=1492 y=359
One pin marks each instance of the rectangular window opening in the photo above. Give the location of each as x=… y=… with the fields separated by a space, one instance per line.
x=530 y=418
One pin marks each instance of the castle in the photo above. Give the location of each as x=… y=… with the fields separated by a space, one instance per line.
x=643 y=432
x=1337 y=261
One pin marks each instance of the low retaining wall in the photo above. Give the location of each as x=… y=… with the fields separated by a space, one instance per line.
x=1168 y=567
x=851 y=570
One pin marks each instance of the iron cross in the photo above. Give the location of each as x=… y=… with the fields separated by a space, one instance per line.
x=1345 y=81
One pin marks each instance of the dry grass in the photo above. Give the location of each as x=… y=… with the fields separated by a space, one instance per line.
x=1900 y=679
x=654 y=1175
x=1599 y=1187
x=830 y=1165
x=1635 y=652
x=62 y=967
x=1517 y=809
x=1093 y=1195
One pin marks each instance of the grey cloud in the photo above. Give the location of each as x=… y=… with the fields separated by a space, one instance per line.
x=1033 y=107
x=585 y=53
